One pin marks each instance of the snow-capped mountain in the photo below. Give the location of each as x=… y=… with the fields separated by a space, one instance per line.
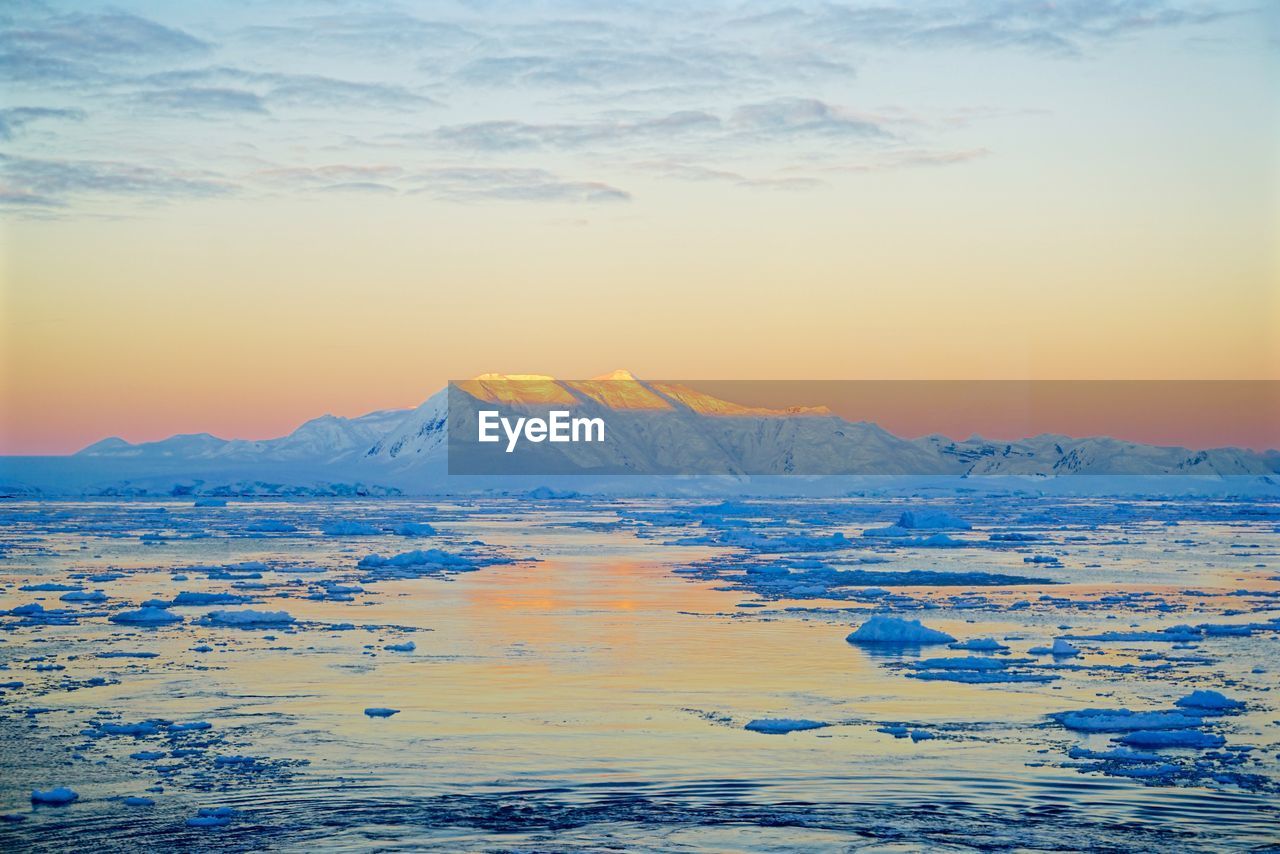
x=327 y=439
x=655 y=428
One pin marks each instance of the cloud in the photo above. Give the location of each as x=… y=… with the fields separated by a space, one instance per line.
x=513 y=184
x=591 y=69
x=288 y=89
x=512 y=135
x=695 y=172
x=73 y=48
x=57 y=182
x=202 y=101
x=1054 y=28
x=109 y=35
x=379 y=32
x=907 y=159
x=360 y=187
x=451 y=183
x=749 y=94
x=15 y=119
x=332 y=175
x=789 y=116
x=16 y=197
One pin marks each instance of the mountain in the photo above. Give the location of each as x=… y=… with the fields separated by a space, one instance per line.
x=326 y=439
x=655 y=429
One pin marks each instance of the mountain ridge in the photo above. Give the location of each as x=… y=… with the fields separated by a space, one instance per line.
x=669 y=428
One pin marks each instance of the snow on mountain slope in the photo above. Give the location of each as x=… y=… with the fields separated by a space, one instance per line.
x=328 y=438
x=417 y=435
x=653 y=428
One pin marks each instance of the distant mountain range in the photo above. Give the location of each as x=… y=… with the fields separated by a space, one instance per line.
x=654 y=429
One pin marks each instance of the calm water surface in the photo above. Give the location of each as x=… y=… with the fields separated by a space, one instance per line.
x=587 y=696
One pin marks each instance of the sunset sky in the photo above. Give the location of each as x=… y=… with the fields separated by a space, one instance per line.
x=232 y=217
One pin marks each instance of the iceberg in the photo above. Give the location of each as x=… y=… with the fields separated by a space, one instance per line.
x=895 y=630
x=1061 y=648
x=57 y=796
x=1209 y=702
x=979 y=645
x=348 y=528
x=1123 y=720
x=195 y=597
x=83 y=596
x=782 y=726
x=247 y=618
x=1172 y=738
x=149 y=616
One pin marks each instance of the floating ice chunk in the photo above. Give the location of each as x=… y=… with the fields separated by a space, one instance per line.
x=212 y=817
x=147 y=755
x=190 y=726
x=782 y=726
x=83 y=596
x=247 y=618
x=408 y=646
x=1117 y=754
x=895 y=630
x=270 y=526
x=137 y=801
x=136 y=730
x=242 y=761
x=1165 y=769
x=1061 y=648
x=962 y=663
x=379 y=712
x=48 y=587
x=57 y=796
x=932 y=518
x=149 y=616
x=896 y=730
x=1209 y=701
x=421 y=557
x=921 y=735
x=1173 y=634
x=34 y=609
x=1172 y=738
x=348 y=528
x=1124 y=720
x=546 y=493
x=979 y=645
x=413 y=529
x=197 y=597
x=982 y=677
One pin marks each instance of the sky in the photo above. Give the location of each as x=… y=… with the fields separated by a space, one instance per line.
x=232 y=216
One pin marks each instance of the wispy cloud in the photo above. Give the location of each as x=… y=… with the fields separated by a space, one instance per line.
x=202 y=101
x=74 y=48
x=759 y=95
x=15 y=119
x=290 y=89
x=56 y=182
x=1064 y=28
x=513 y=184
x=804 y=116
x=510 y=135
